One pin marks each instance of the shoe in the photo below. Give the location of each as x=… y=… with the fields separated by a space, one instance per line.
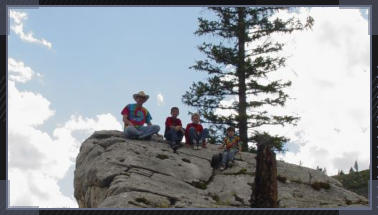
x=204 y=144
x=221 y=168
x=230 y=164
x=175 y=147
x=195 y=144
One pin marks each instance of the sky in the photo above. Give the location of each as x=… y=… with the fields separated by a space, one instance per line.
x=71 y=70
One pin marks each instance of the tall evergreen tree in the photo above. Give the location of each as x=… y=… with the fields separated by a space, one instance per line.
x=351 y=170
x=356 y=166
x=236 y=27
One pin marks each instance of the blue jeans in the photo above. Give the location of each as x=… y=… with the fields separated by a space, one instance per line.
x=228 y=155
x=174 y=136
x=193 y=135
x=141 y=132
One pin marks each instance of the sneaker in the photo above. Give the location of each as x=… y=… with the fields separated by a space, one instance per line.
x=230 y=164
x=221 y=168
x=175 y=147
x=195 y=143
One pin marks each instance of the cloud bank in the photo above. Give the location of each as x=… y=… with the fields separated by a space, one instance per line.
x=18 y=28
x=330 y=90
x=37 y=160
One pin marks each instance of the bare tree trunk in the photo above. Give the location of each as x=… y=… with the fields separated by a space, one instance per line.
x=264 y=194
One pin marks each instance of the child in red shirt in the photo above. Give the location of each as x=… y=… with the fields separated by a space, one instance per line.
x=195 y=134
x=173 y=129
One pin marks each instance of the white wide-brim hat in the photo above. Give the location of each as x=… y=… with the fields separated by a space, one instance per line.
x=141 y=94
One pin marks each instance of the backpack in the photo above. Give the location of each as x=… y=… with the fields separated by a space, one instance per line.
x=216 y=160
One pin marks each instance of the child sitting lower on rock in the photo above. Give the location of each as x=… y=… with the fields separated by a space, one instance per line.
x=231 y=146
x=195 y=134
x=173 y=129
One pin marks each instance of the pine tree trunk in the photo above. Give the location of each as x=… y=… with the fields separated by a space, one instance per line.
x=243 y=128
x=264 y=194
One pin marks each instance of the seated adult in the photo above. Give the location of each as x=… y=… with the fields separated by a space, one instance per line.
x=134 y=118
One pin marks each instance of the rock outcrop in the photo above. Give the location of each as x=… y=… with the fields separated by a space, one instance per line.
x=115 y=172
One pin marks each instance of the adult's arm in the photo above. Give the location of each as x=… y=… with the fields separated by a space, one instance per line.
x=126 y=121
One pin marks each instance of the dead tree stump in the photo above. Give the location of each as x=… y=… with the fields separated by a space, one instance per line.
x=264 y=191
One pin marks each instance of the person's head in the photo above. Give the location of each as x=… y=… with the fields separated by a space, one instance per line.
x=175 y=112
x=230 y=131
x=196 y=118
x=140 y=98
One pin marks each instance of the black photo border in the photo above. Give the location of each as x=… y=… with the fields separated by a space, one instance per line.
x=373 y=31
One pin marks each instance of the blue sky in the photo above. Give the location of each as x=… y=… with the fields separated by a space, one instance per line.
x=71 y=70
x=119 y=52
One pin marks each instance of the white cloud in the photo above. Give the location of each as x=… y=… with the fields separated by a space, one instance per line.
x=18 y=28
x=18 y=72
x=160 y=99
x=330 y=89
x=30 y=108
x=37 y=161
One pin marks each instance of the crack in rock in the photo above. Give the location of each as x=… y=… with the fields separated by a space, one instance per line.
x=172 y=199
x=131 y=166
x=191 y=155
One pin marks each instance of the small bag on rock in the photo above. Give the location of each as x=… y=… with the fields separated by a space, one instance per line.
x=216 y=160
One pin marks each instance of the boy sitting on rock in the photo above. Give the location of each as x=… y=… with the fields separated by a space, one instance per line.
x=231 y=146
x=195 y=134
x=173 y=129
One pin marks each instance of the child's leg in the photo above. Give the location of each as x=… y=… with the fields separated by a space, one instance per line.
x=204 y=134
x=225 y=157
x=193 y=135
x=171 y=136
x=179 y=136
x=231 y=154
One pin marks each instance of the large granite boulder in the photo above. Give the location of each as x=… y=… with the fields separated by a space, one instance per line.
x=115 y=172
